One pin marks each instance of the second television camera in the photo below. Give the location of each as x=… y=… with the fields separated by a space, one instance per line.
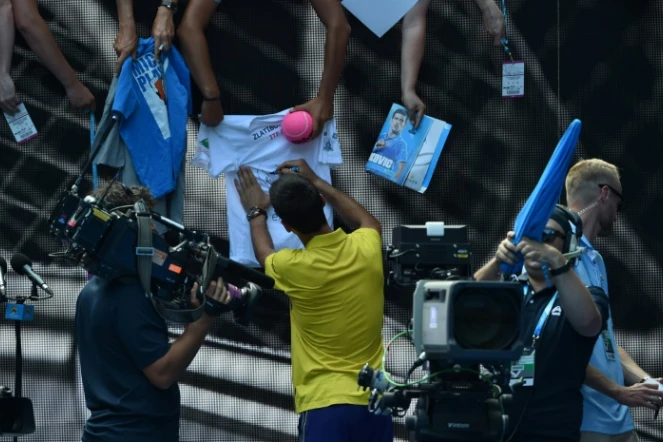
x=466 y=333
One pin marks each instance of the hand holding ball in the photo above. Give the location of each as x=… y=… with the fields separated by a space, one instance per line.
x=297 y=127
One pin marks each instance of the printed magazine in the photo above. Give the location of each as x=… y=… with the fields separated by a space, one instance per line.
x=405 y=156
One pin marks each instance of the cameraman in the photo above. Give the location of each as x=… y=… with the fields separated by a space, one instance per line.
x=562 y=319
x=336 y=289
x=128 y=367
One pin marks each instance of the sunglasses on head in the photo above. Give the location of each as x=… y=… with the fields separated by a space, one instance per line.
x=549 y=235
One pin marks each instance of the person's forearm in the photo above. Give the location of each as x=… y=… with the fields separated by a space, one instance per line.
x=577 y=302
x=483 y=4
x=6 y=35
x=346 y=206
x=336 y=43
x=125 y=13
x=183 y=350
x=632 y=371
x=196 y=54
x=489 y=272
x=37 y=35
x=263 y=246
x=599 y=382
x=195 y=49
x=413 y=43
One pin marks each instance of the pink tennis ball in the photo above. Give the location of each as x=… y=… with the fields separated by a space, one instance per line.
x=297 y=127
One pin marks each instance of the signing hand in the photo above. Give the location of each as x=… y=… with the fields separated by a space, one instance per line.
x=507 y=252
x=304 y=169
x=416 y=108
x=250 y=192
x=163 y=30
x=321 y=111
x=126 y=44
x=8 y=99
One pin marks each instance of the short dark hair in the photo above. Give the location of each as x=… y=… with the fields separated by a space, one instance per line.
x=298 y=203
x=400 y=111
x=120 y=195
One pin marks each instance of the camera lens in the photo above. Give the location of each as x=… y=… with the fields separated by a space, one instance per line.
x=486 y=321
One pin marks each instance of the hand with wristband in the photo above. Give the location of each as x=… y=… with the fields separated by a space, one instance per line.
x=163 y=28
x=216 y=297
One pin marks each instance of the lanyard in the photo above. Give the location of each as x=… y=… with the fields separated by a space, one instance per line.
x=543 y=320
x=505 y=39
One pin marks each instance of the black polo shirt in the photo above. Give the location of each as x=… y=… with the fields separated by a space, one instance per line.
x=552 y=408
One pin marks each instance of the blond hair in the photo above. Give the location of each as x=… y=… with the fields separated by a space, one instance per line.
x=584 y=177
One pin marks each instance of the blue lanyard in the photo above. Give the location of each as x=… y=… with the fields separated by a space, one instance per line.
x=543 y=319
x=505 y=39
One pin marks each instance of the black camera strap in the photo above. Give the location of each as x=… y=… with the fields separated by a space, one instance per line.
x=144 y=249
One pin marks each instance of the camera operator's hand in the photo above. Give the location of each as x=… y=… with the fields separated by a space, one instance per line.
x=539 y=254
x=250 y=192
x=304 y=169
x=507 y=250
x=216 y=291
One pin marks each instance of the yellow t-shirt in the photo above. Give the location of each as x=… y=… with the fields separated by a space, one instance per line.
x=336 y=290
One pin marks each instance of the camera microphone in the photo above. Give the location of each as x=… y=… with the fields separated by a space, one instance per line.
x=3 y=273
x=23 y=266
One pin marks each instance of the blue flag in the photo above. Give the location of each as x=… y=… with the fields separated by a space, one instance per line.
x=536 y=212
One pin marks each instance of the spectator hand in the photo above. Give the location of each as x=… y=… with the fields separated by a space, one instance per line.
x=8 y=99
x=81 y=98
x=641 y=395
x=507 y=251
x=304 y=169
x=415 y=107
x=126 y=44
x=211 y=113
x=493 y=22
x=321 y=111
x=163 y=30
x=250 y=192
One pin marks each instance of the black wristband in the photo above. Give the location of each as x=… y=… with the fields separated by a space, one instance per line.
x=212 y=99
x=559 y=270
x=213 y=307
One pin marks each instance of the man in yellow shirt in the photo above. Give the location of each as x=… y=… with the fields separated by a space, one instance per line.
x=336 y=288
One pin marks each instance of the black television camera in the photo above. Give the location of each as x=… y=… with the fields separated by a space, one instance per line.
x=465 y=332
x=121 y=242
x=16 y=414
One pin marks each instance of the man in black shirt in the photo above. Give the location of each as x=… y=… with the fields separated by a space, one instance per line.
x=128 y=366
x=562 y=319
